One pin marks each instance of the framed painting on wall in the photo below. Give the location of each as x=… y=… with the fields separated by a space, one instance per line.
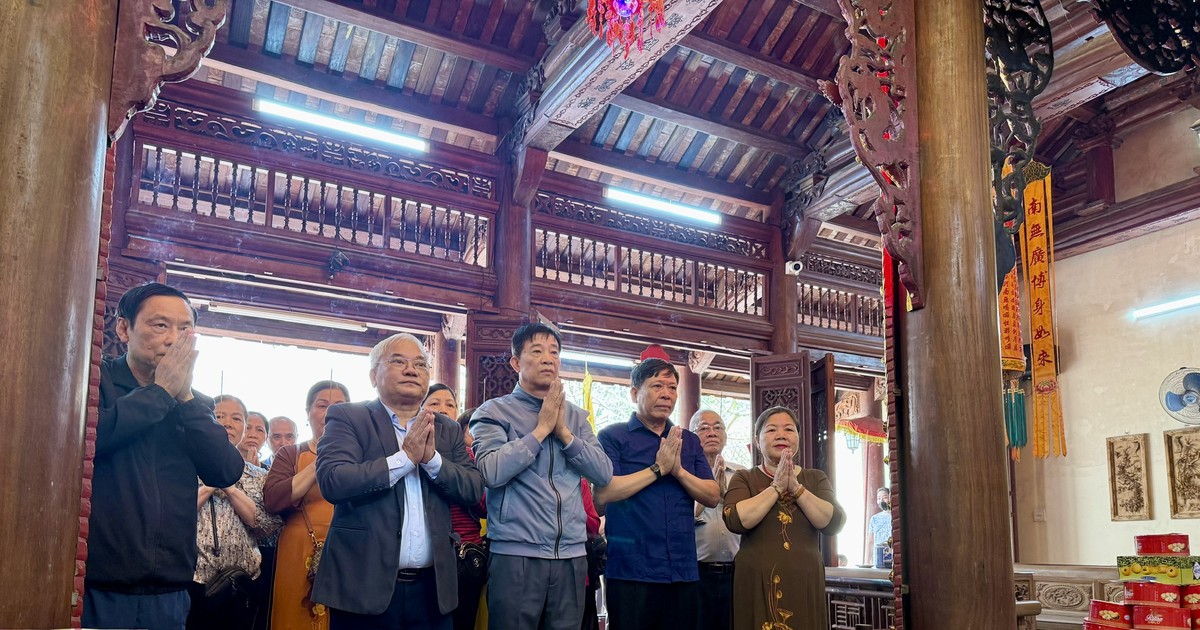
x=1128 y=477
x=1183 y=471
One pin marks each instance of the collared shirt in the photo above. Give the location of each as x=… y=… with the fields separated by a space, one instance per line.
x=239 y=542
x=880 y=527
x=651 y=535
x=714 y=541
x=416 y=548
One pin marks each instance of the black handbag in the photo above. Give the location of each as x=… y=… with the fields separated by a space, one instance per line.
x=472 y=559
x=597 y=558
x=231 y=586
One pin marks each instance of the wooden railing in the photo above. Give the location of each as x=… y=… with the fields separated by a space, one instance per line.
x=836 y=309
x=218 y=187
x=864 y=599
x=594 y=247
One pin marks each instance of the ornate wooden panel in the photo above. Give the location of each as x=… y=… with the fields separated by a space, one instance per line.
x=783 y=380
x=489 y=339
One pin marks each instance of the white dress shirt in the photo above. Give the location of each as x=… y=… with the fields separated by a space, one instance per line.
x=416 y=550
x=714 y=541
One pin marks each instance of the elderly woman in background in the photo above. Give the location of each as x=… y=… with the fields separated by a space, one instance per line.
x=292 y=492
x=253 y=439
x=229 y=523
x=464 y=520
x=781 y=511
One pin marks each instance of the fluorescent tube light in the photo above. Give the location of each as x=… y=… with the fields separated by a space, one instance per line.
x=665 y=207
x=285 y=316
x=337 y=124
x=1151 y=311
x=582 y=357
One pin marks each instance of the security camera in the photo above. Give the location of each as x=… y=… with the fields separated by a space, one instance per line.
x=793 y=267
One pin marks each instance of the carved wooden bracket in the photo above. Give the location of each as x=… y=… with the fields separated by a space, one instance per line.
x=873 y=88
x=698 y=362
x=1020 y=62
x=454 y=326
x=143 y=62
x=1160 y=35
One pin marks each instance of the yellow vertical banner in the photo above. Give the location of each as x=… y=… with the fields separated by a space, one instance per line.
x=1037 y=248
x=587 y=397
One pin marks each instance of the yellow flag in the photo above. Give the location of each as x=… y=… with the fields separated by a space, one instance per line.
x=587 y=397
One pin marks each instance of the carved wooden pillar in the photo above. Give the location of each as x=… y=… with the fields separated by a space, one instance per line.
x=689 y=394
x=514 y=232
x=958 y=560
x=1097 y=141
x=489 y=340
x=55 y=69
x=446 y=346
x=447 y=360
x=783 y=295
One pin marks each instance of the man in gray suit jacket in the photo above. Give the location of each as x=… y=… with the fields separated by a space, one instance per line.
x=391 y=469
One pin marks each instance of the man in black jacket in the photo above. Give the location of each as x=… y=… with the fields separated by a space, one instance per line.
x=154 y=437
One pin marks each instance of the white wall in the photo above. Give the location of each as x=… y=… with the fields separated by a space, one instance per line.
x=1112 y=367
x=1156 y=155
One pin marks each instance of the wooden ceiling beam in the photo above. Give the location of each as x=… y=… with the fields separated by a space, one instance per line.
x=753 y=61
x=350 y=92
x=580 y=75
x=418 y=33
x=828 y=7
x=678 y=115
x=598 y=158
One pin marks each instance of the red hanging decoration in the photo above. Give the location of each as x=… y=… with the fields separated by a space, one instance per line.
x=624 y=21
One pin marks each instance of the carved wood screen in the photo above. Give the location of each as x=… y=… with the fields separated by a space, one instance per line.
x=820 y=434
x=782 y=380
x=489 y=339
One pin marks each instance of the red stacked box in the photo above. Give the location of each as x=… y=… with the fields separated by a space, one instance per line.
x=1153 y=594
x=1156 y=617
x=1190 y=597
x=1103 y=615
x=1162 y=545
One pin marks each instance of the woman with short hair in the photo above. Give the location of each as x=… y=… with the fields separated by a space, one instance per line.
x=229 y=524
x=781 y=511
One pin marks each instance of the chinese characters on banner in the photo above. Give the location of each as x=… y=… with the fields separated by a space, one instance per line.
x=1037 y=248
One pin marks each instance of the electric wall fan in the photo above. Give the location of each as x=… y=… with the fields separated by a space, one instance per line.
x=1180 y=395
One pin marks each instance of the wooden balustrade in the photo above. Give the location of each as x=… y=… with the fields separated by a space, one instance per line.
x=1049 y=597
x=837 y=309
x=201 y=174
x=223 y=188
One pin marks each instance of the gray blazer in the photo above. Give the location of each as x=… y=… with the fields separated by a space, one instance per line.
x=362 y=552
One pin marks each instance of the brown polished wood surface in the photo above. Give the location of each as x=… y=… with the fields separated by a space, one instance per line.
x=55 y=70
x=955 y=513
x=689 y=394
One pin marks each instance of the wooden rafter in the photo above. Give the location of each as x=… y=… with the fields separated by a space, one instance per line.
x=297 y=78
x=754 y=61
x=417 y=33
x=598 y=158
x=729 y=130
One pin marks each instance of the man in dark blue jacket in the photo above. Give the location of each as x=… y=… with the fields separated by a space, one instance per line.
x=154 y=437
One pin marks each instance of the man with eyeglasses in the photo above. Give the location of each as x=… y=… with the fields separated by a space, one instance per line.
x=715 y=544
x=533 y=448
x=390 y=469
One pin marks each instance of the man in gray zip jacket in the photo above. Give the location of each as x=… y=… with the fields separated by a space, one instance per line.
x=532 y=447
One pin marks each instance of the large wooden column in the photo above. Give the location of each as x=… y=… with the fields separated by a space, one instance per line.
x=514 y=231
x=689 y=394
x=55 y=69
x=955 y=513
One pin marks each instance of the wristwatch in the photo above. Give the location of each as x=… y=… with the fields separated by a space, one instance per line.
x=656 y=470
